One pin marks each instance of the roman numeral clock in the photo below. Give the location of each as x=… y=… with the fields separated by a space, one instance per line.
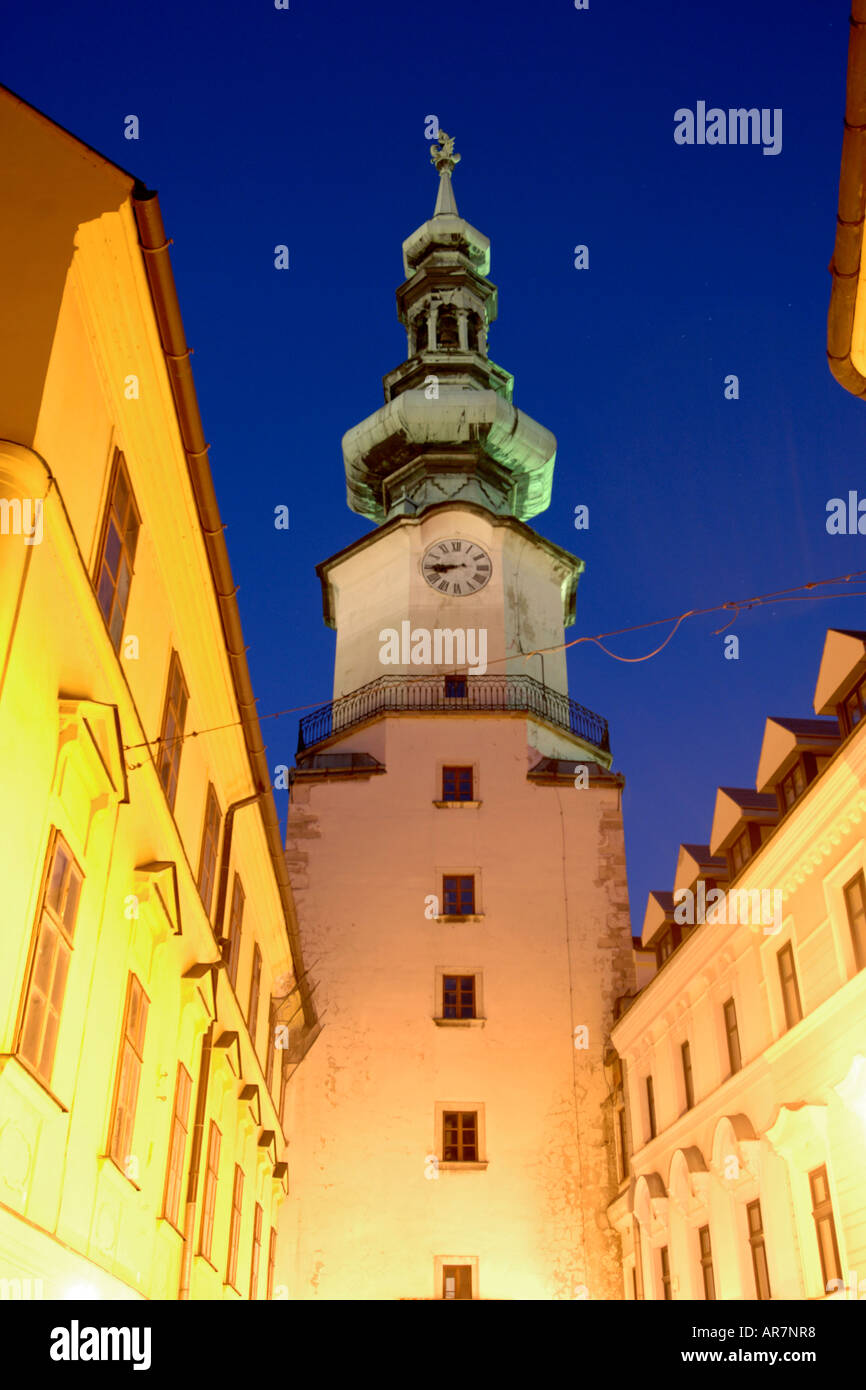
x=456 y=567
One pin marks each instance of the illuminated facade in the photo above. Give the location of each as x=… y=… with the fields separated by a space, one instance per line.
x=456 y=852
x=148 y=936
x=740 y=1068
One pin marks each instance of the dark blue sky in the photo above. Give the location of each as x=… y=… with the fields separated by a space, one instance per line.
x=306 y=127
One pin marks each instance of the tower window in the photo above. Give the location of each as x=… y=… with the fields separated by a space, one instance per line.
x=460 y=1136
x=447 y=332
x=790 y=988
x=825 y=1226
x=706 y=1250
x=457 y=784
x=855 y=906
x=474 y=329
x=458 y=996
x=422 y=335
x=456 y=1281
x=117 y=551
x=458 y=895
x=455 y=687
x=759 y=1250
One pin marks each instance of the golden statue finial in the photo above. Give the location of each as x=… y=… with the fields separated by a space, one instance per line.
x=442 y=155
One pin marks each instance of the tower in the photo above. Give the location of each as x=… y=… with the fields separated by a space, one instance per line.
x=456 y=853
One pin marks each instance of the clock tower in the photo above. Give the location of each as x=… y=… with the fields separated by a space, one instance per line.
x=456 y=852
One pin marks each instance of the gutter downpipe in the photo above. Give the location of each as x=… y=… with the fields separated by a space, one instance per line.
x=845 y=266
x=157 y=264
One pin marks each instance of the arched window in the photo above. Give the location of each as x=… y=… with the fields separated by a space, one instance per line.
x=447 y=333
x=421 y=332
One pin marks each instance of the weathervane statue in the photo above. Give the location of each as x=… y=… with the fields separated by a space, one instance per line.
x=443 y=156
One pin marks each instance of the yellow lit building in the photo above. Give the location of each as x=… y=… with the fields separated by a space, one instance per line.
x=152 y=997
x=740 y=1067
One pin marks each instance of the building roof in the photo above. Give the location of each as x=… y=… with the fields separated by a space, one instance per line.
x=735 y=806
x=843 y=664
x=785 y=739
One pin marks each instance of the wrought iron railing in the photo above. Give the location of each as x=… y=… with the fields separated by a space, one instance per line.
x=460 y=694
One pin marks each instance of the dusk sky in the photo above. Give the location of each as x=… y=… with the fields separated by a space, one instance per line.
x=305 y=126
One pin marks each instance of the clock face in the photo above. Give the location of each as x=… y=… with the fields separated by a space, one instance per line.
x=456 y=568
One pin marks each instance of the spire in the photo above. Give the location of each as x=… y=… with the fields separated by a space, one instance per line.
x=448 y=429
x=444 y=158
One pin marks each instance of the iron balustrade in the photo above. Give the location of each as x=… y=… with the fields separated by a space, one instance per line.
x=489 y=694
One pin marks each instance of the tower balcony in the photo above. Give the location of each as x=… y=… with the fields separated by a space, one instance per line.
x=453 y=694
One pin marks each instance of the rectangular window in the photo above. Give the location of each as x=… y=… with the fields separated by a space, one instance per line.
x=732 y=1033
x=458 y=996
x=458 y=895
x=460 y=1136
x=790 y=988
x=235 y=1225
x=209 y=847
x=707 y=1263
x=117 y=551
x=666 y=1273
x=651 y=1107
x=128 y=1072
x=272 y=1049
x=623 y=1144
x=759 y=1251
x=257 y=1253
x=688 y=1079
x=211 y=1178
x=456 y=1281
x=855 y=906
x=58 y=911
x=855 y=706
x=825 y=1226
x=173 y=724
x=177 y=1146
x=455 y=688
x=457 y=784
x=255 y=989
x=272 y=1260
x=792 y=786
x=232 y=946
x=741 y=851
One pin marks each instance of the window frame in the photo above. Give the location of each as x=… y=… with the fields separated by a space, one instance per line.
x=858 y=941
x=255 y=994
x=786 y=952
x=118 y=468
x=458 y=894
x=688 y=1074
x=232 y=942
x=128 y=1069
x=649 y=1093
x=209 y=852
x=459 y=775
x=235 y=1219
x=758 y=1247
x=174 y=1170
x=170 y=746
x=822 y=1213
x=732 y=1036
x=209 y=1192
x=256 y=1252
x=708 y=1274
x=51 y=922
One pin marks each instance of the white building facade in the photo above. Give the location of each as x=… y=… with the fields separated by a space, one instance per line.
x=743 y=1060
